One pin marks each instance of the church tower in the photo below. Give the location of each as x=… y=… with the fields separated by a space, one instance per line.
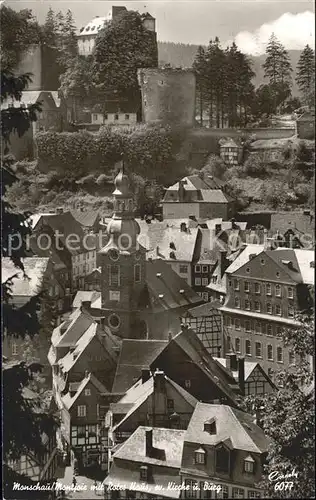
x=123 y=265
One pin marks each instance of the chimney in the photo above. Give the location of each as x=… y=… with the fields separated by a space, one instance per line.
x=145 y=375
x=241 y=375
x=181 y=191
x=149 y=443
x=232 y=361
x=85 y=306
x=159 y=380
x=218 y=228
x=169 y=336
x=86 y=374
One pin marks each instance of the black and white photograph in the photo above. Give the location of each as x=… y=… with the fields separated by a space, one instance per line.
x=158 y=249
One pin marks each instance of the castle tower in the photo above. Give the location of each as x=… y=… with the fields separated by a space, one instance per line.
x=168 y=96
x=123 y=266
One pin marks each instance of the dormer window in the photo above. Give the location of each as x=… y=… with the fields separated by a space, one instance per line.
x=249 y=465
x=222 y=460
x=200 y=456
x=172 y=245
x=210 y=426
x=143 y=473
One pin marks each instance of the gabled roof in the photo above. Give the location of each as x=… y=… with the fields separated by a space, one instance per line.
x=119 y=107
x=297 y=221
x=135 y=355
x=69 y=332
x=190 y=343
x=231 y=424
x=250 y=366
x=304 y=259
x=69 y=400
x=207 y=189
x=140 y=392
x=29 y=97
x=204 y=310
x=34 y=269
x=84 y=296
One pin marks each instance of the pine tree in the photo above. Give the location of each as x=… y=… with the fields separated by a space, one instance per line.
x=305 y=74
x=199 y=66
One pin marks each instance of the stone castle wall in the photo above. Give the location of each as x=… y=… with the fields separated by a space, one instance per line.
x=168 y=96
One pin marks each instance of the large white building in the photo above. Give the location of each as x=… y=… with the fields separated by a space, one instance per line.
x=88 y=33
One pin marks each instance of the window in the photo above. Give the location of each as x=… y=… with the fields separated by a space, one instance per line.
x=290 y=312
x=114 y=321
x=247 y=305
x=290 y=292
x=246 y=286
x=237 y=302
x=270 y=352
x=87 y=392
x=228 y=321
x=137 y=273
x=269 y=308
x=81 y=410
x=237 y=324
x=262 y=262
x=197 y=268
x=258 y=328
x=236 y=284
x=143 y=473
x=116 y=117
x=248 y=348
x=229 y=282
x=204 y=281
x=126 y=117
x=222 y=460
x=114 y=295
x=279 y=331
x=279 y=354
x=197 y=281
x=248 y=270
x=199 y=456
x=269 y=330
x=278 y=310
x=14 y=349
x=183 y=269
x=249 y=464
x=258 y=350
x=205 y=296
x=268 y=289
x=253 y=494
x=95 y=117
x=192 y=491
x=238 y=493
x=247 y=326
x=257 y=288
x=170 y=404
x=204 y=269
x=291 y=358
x=257 y=306
x=237 y=344
x=214 y=279
x=105 y=117
x=114 y=274
x=187 y=384
x=278 y=290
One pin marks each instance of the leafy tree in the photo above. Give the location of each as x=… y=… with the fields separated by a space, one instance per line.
x=19 y=31
x=287 y=417
x=120 y=49
x=305 y=74
x=16 y=376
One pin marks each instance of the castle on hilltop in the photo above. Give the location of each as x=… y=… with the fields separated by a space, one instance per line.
x=88 y=33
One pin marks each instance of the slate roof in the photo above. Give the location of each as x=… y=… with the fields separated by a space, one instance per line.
x=208 y=189
x=140 y=392
x=135 y=355
x=57 y=257
x=169 y=290
x=164 y=470
x=119 y=107
x=34 y=268
x=243 y=257
x=69 y=332
x=157 y=241
x=206 y=309
x=231 y=424
x=301 y=263
x=84 y=296
x=86 y=218
x=63 y=222
x=69 y=400
x=249 y=368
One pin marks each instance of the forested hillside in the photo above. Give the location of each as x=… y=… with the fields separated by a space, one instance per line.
x=180 y=54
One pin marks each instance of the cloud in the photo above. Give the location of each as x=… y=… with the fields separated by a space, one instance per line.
x=293 y=30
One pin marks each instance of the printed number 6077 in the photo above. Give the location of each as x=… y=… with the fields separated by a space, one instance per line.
x=283 y=486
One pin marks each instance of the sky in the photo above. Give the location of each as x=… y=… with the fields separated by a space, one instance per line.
x=248 y=22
